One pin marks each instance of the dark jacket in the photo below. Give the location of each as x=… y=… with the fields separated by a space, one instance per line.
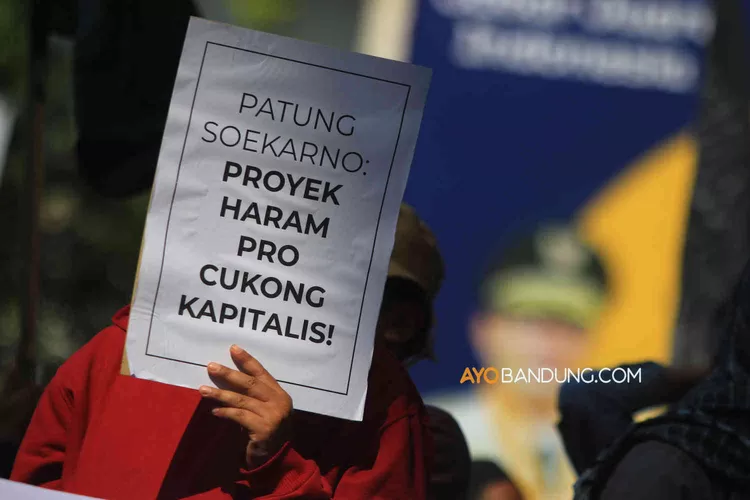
x=593 y=416
x=451 y=464
x=709 y=426
x=659 y=471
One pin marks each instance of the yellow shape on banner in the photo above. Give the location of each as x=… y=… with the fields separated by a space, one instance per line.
x=638 y=224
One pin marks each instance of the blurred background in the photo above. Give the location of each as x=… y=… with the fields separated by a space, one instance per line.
x=583 y=164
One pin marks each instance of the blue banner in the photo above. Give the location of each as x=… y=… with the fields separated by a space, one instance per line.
x=566 y=114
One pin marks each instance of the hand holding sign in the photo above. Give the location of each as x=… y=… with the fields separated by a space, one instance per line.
x=273 y=213
x=253 y=399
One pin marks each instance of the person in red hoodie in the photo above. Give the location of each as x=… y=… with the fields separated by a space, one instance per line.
x=415 y=276
x=101 y=433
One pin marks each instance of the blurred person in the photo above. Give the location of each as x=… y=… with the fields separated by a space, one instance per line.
x=490 y=482
x=537 y=302
x=593 y=416
x=700 y=448
x=102 y=433
x=405 y=325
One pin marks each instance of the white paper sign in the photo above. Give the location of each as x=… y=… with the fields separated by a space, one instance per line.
x=20 y=491
x=273 y=213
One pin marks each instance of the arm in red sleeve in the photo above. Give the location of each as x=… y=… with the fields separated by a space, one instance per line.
x=386 y=456
x=42 y=452
x=400 y=467
x=391 y=467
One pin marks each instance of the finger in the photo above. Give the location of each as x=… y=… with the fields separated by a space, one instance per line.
x=251 y=366
x=226 y=378
x=232 y=399
x=252 y=422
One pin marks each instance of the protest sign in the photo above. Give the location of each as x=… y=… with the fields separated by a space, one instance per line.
x=21 y=491
x=273 y=213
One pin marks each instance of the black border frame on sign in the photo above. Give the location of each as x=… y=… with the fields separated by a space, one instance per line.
x=377 y=227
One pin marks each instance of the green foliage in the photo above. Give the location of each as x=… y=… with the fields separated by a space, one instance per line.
x=262 y=14
x=13 y=43
x=90 y=245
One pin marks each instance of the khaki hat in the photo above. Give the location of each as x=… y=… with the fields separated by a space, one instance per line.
x=415 y=253
x=551 y=273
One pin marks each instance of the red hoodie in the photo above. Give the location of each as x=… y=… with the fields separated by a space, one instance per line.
x=96 y=432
